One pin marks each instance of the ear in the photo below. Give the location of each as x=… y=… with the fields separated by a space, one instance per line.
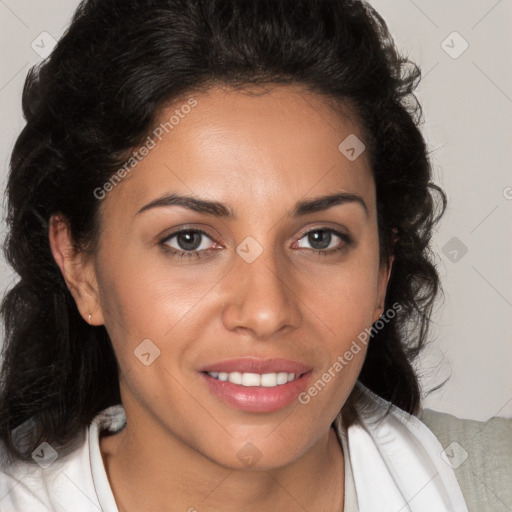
x=383 y=280
x=77 y=270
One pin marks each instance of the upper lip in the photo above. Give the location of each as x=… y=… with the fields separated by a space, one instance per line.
x=255 y=365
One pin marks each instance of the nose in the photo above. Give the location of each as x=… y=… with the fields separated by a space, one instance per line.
x=261 y=297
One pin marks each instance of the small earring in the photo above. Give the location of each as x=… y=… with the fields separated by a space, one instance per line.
x=90 y=316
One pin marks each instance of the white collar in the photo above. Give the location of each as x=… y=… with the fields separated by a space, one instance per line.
x=396 y=462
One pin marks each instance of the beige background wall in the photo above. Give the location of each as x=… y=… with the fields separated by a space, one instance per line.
x=463 y=49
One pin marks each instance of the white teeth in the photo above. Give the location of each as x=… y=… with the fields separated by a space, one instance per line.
x=267 y=380
x=250 y=379
x=282 y=378
x=235 y=378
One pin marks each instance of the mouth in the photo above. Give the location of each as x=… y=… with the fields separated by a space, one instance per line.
x=256 y=385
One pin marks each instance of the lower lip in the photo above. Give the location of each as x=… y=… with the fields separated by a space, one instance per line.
x=257 y=398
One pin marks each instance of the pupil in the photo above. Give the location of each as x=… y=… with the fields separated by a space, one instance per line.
x=323 y=240
x=186 y=240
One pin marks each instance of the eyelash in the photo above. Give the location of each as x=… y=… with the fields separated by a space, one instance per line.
x=198 y=254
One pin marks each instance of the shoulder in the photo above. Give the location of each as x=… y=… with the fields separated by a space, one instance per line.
x=480 y=453
x=400 y=454
x=56 y=480
x=47 y=483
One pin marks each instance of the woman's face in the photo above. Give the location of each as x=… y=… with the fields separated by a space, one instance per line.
x=245 y=289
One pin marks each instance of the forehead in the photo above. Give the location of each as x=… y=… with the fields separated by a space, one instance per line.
x=251 y=149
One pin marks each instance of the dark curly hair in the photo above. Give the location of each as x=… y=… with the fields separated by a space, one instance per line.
x=98 y=96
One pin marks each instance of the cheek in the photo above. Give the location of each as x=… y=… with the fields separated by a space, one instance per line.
x=344 y=301
x=147 y=299
x=346 y=296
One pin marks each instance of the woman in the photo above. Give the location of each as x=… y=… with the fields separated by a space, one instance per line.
x=220 y=213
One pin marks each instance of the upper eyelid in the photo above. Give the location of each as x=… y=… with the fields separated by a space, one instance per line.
x=186 y=230
x=337 y=232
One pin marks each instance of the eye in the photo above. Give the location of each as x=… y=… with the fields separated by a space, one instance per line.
x=186 y=243
x=190 y=243
x=320 y=240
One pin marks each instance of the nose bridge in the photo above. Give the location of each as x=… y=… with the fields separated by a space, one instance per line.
x=260 y=299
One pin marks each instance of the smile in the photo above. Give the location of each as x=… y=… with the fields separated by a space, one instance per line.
x=256 y=385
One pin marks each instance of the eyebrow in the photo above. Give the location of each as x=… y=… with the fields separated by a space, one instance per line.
x=218 y=209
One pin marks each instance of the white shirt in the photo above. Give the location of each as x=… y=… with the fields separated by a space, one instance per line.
x=389 y=466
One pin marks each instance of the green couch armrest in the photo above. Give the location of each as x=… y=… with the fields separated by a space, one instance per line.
x=481 y=456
